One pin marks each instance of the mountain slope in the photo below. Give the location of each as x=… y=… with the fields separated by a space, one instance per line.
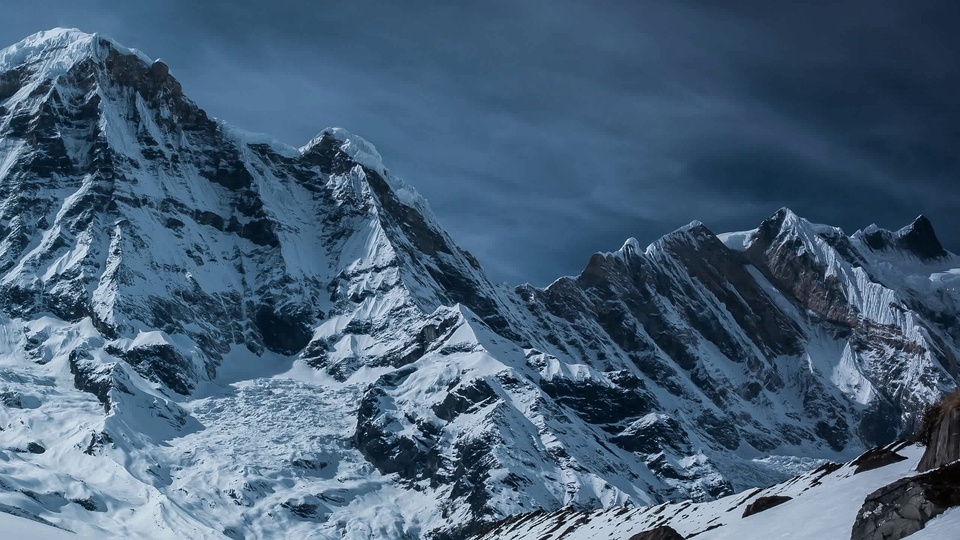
x=820 y=504
x=206 y=332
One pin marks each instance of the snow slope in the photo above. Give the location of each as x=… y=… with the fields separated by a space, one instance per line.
x=822 y=506
x=18 y=527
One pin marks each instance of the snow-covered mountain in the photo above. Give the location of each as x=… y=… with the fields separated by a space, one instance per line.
x=207 y=333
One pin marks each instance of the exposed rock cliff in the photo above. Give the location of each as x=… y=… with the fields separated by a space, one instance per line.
x=941 y=434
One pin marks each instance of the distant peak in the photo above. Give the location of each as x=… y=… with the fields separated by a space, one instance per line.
x=875 y=237
x=695 y=228
x=631 y=247
x=782 y=218
x=358 y=148
x=692 y=234
x=58 y=49
x=65 y=44
x=785 y=220
x=921 y=223
x=58 y=35
x=786 y=216
x=785 y=212
x=921 y=239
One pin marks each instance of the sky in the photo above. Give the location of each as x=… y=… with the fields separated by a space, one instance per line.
x=544 y=131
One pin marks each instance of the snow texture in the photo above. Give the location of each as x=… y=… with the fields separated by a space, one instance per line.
x=823 y=504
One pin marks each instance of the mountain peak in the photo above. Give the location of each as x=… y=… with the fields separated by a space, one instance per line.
x=786 y=220
x=359 y=149
x=785 y=213
x=56 y=50
x=693 y=234
x=921 y=223
x=920 y=238
x=631 y=247
x=54 y=37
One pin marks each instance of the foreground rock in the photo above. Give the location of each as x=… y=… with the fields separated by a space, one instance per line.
x=943 y=439
x=876 y=458
x=764 y=503
x=905 y=506
x=660 y=533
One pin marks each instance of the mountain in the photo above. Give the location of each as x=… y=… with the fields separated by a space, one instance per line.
x=207 y=333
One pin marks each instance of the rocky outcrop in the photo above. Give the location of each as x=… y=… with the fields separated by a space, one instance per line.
x=905 y=506
x=664 y=532
x=942 y=434
x=876 y=458
x=764 y=503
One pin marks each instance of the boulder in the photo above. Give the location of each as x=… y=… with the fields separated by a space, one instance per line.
x=905 y=506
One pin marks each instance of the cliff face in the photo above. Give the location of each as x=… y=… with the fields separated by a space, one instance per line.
x=943 y=434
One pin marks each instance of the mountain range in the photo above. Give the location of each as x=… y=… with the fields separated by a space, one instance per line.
x=207 y=333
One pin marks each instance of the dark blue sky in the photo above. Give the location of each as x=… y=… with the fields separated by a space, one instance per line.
x=542 y=132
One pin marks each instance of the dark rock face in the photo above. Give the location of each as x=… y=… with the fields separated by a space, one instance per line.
x=764 y=503
x=90 y=504
x=607 y=406
x=920 y=239
x=89 y=377
x=463 y=398
x=943 y=439
x=879 y=240
x=308 y=508
x=35 y=448
x=162 y=363
x=794 y=270
x=286 y=333
x=905 y=506
x=653 y=437
x=376 y=437
x=98 y=441
x=875 y=459
x=664 y=532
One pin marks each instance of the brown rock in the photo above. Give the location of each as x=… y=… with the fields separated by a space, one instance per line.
x=942 y=424
x=664 y=532
x=159 y=70
x=764 y=503
x=876 y=458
